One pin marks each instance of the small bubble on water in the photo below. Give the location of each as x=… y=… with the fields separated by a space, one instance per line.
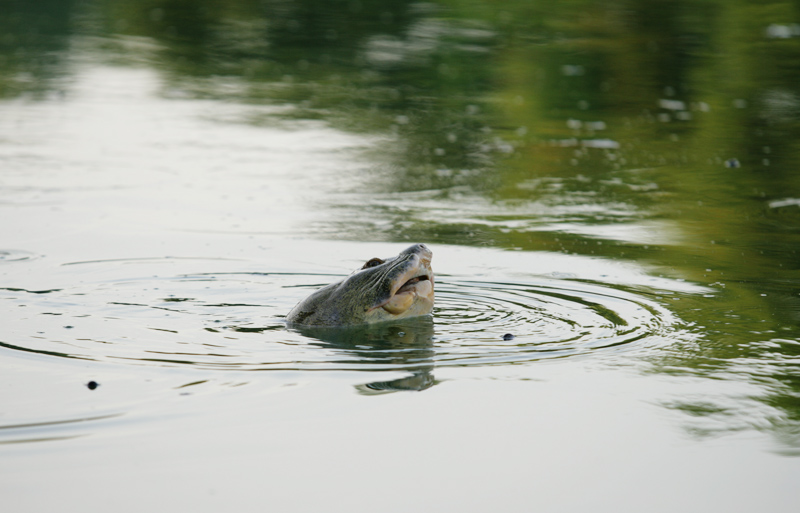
x=732 y=163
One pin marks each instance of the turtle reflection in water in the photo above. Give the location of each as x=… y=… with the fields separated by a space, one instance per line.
x=405 y=346
x=382 y=290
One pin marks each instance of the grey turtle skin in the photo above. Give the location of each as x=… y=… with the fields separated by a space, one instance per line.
x=382 y=290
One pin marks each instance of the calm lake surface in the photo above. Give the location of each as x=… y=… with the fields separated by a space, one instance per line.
x=615 y=184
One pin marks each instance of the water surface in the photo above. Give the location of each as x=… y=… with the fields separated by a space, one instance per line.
x=612 y=185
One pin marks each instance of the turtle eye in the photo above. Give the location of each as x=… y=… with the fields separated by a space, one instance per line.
x=372 y=263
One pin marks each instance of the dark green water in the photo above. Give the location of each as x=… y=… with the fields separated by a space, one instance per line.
x=615 y=183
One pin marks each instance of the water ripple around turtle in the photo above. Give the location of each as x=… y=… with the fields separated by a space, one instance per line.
x=234 y=321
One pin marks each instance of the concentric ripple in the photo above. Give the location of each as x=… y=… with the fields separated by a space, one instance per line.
x=509 y=322
x=234 y=321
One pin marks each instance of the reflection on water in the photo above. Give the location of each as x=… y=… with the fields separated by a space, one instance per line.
x=613 y=181
x=404 y=345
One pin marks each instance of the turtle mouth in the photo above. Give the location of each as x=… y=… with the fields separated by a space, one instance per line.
x=413 y=280
x=415 y=287
x=410 y=284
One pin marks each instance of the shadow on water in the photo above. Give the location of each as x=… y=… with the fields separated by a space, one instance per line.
x=405 y=346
